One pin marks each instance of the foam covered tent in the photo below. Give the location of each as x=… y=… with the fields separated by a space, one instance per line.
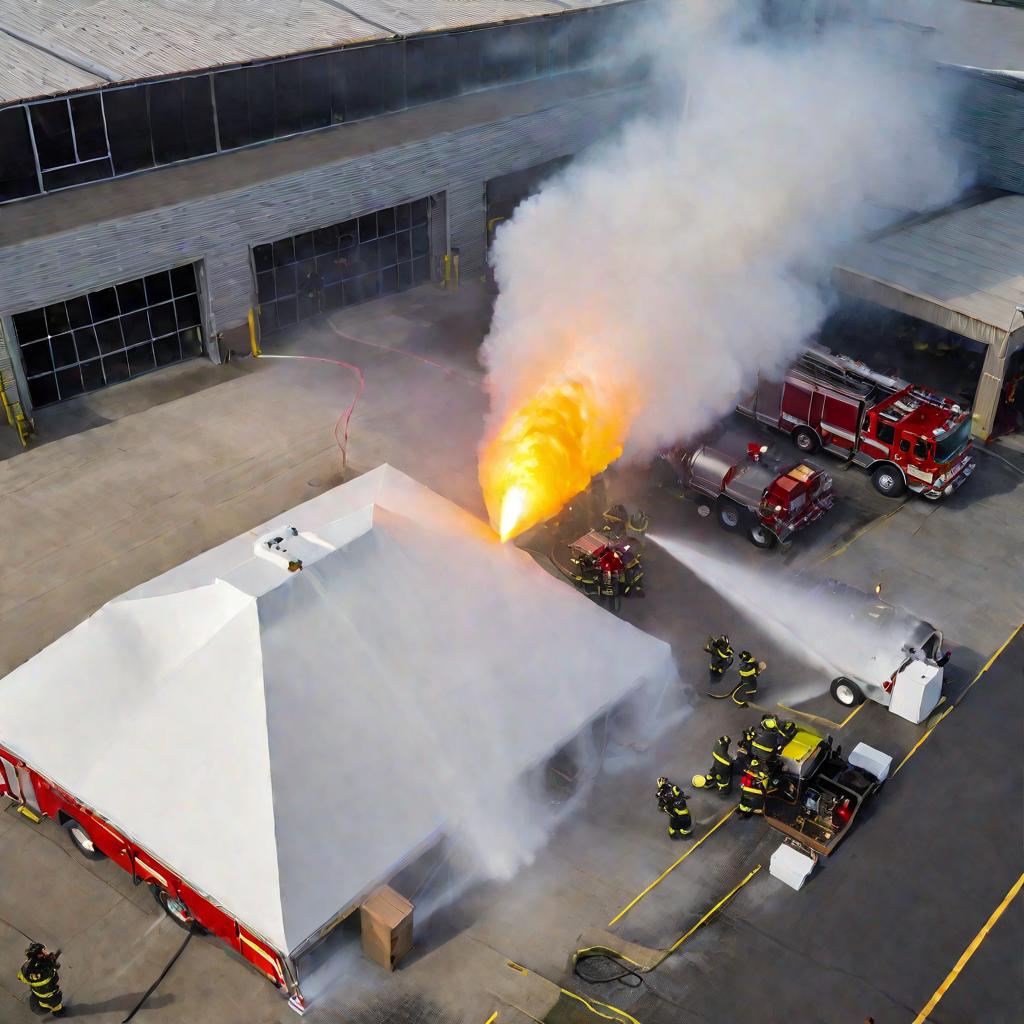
x=285 y=737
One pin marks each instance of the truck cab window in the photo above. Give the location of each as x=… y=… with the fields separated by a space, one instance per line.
x=921 y=448
x=904 y=445
x=886 y=433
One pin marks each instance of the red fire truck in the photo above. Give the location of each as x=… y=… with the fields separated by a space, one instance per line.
x=770 y=501
x=95 y=838
x=905 y=436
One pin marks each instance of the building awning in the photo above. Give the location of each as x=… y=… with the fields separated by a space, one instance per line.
x=962 y=270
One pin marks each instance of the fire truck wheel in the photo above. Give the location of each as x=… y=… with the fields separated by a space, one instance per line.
x=846 y=692
x=888 y=480
x=729 y=514
x=82 y=841
x=806 y=440
x=761 y=537
x=176 y=910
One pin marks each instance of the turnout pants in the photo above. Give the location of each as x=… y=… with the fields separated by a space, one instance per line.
x=680 y=824
x=751 y=800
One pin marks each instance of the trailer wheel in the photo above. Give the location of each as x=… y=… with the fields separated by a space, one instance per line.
x=846 y=692
x=729 y=514
x=806 y=440
x=889 y=481
x=83 y=841
x=761 y=537
x=176 y=909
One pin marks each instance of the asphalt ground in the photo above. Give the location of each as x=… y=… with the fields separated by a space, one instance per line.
x=876 y=930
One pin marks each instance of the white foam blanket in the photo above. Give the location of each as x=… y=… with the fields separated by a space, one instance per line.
x=284 y=739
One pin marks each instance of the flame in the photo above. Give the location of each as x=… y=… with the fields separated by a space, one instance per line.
x=547 y=451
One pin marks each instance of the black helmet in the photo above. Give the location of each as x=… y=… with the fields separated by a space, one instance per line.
x=746 y=656
x=724 y=639
x=662 y=782
x=724 y=740
x=35 y=950
x=638 y=520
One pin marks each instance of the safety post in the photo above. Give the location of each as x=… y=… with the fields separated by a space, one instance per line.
x=253 y=340
x=6 y=402
x=15 y=415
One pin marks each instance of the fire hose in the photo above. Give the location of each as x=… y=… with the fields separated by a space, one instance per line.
x=163 y=974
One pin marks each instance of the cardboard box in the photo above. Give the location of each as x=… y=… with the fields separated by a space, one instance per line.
x=386 y=924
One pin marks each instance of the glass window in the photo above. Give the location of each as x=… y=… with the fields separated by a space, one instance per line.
x=885 y=433
x=181 y=113
x=77 y=174
x=51 y=125
x=260 y=104
x=128 y=129
x=232 y=95
x=17 y=164
x=90 y=135
x=431 y=69
x=288 y=97
x=57 y=319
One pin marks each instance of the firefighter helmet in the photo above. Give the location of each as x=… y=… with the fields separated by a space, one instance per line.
x=724 y=740
x=662 y=782
x=746 y=656
x=639 y=521
x=769 y=722
x=35 y=950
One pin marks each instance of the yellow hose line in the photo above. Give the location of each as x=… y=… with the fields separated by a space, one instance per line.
x=622 y=1015
x=707 y=835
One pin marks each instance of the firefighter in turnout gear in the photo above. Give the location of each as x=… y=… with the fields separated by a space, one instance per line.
x=721 y=658
x=719 y=775
x=613 y=522
x=770 y=736
x=672 y=801
x=39 y=972
x=753 y=787
x=750 y=669
x=636 y=530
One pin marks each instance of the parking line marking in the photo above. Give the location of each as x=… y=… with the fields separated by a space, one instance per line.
x=970 y=950
x=827 y=721
x=707 y=835
x=493 y=1017
x=988 y=664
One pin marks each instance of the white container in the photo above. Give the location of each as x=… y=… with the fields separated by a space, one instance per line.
x=871 y=760
x=792 y=866
x=917 y=691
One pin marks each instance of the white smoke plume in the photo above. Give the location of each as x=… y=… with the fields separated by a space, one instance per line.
x=691 y=251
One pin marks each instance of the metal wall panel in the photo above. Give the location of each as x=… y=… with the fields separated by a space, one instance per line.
x=990 y=122
x=221 y=228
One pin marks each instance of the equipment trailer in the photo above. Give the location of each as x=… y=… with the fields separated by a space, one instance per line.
x=905 y=436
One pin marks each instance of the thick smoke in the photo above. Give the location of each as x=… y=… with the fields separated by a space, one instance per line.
x=691 y=251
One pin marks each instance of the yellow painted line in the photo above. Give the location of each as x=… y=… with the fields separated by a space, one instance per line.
x=707 y=835
x=988 y=664
x=493 y=1017
x=705 y=917
x=860 y=533
x=849 y=718
x=970 y=950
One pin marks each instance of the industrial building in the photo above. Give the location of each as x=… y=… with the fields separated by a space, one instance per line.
x=166 y=169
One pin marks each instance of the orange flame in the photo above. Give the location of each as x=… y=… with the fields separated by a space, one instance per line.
x=547 y=451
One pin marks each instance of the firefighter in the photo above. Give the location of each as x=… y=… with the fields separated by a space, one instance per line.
x=633 y=569
x=721 y=658
x=750 y=669
x=672 y=801
x=719 y=775
x=770 y=736
x=753 y=786
x=636 y=530
x=39 y=972
x=613 y=522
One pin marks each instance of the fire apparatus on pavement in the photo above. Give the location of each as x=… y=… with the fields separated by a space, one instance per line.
x=770 y=501
x=907 y=437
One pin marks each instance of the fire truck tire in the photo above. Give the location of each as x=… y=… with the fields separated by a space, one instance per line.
x=846 y=692
x=806 y=440
x=761 y=537
x=889 y=480
x=730 y=515
x=176 y=910
x=82 y=841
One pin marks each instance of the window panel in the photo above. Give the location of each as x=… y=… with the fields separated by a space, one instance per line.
x=86 y=343
x=36 y=358
x=92 y=375
x=62 y=347
x=316 y=93
x=158 y=288
x=325 y=240
x=337 y=65
x=403 y=217
x=284 y=252
x=305 y=247
x=420 y=211
x=420 y=240
x=79 y=314
x=403 y=241
x=57 y=318
x=167 y=350
x=265 y=290
x=286 y=312
x=161 y=320
x=128 y=129
x=116 y=368
x=17 y=164
x=260 y=85
x=141 y=359
x=183 y=280
x=109 y=336
x=191 y=342
x=368 y=227
x=348 y=234
x=388 y=251
x=262 y=258
x=131 y=296
x=135 y=327
x=69 y=382
x=51 y=125
x=431 y=69
x=268 y=317
x=187 y=311
x=103 y=304
x=43 y=390
x=90 y=135
x=389 y=280
x=167 y=115
x=469 y=47
x=30 y=326
x=230 y=89
x=200 y=137
x=284 y=281
x=77 y=174
x=421 y=270
x=287 y=97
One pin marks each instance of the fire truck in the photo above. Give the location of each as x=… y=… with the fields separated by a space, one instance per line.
x=770 y=501
x=905 y=436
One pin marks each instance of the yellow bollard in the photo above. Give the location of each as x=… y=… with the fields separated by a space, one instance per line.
x=253 y=342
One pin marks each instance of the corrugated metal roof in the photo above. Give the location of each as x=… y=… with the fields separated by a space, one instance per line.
x=53 y=46
x=962 y=270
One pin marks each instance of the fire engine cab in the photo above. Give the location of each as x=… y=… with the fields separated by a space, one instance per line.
x=905 y=436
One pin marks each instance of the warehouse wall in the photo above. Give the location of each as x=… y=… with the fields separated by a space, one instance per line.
x=219 y=229
x=990 y=122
